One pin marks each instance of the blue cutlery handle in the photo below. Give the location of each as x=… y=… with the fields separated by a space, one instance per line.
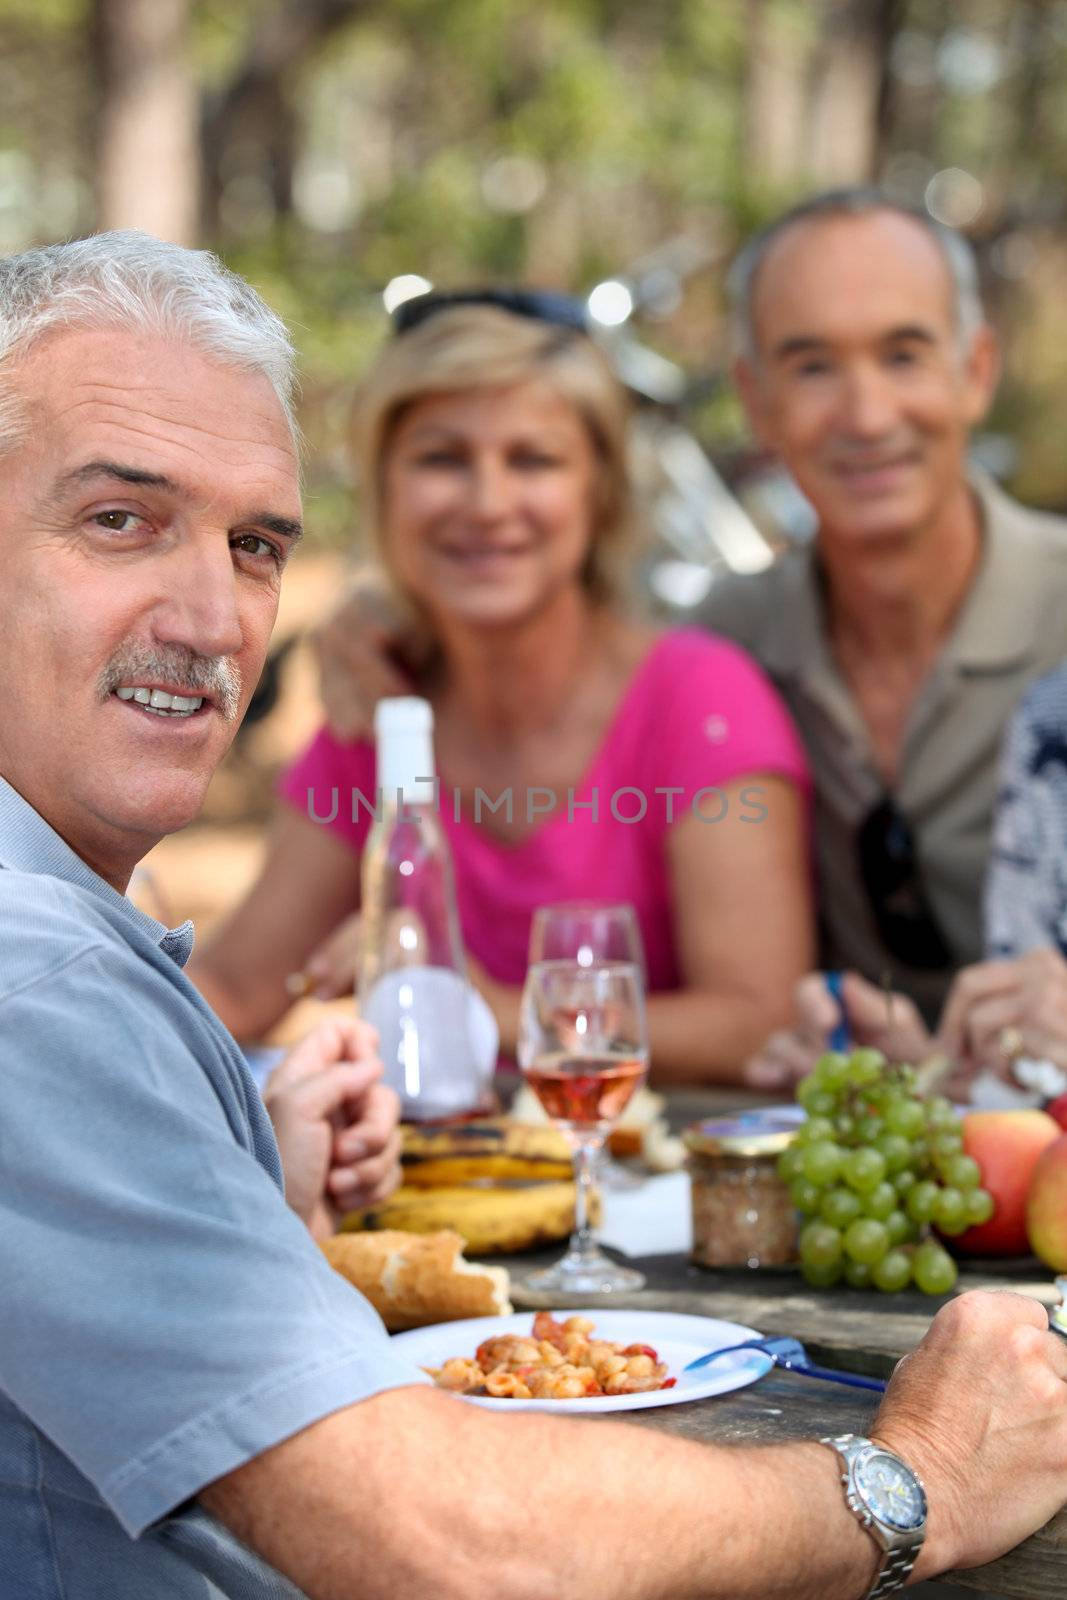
x=839 y=1037
x=853 y=1379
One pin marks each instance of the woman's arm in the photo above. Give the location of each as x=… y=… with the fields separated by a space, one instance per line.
x=309 y=882
x=744 y=934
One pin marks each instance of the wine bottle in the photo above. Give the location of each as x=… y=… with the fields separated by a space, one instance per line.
x=412 y=973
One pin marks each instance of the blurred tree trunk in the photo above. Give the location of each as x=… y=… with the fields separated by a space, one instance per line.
x=1035 y=49
x=147 y=118
x=249 y=127
x=774 y=103
x=849 y=99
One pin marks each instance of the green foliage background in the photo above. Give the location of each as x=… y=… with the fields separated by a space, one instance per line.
x=635 y=118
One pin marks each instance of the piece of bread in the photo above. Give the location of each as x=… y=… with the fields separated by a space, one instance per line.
x=624 y=1139
x=412 y=1279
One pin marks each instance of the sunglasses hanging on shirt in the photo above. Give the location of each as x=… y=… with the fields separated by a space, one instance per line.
x=892 y=878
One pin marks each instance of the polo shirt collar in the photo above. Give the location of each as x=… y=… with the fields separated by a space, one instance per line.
x=998 y=622
x=996 y=626
x=28 y=844
x=799 y=648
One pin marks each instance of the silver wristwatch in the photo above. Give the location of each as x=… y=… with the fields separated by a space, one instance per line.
x=887 y=1499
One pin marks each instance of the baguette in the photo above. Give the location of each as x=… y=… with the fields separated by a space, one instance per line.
x=413 y=1279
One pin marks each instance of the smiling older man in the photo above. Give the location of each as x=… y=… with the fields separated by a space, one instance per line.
x=178 y=1365
x=150 y=499
x=904 y=636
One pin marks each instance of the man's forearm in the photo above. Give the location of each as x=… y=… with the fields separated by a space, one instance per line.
x=452 y=1502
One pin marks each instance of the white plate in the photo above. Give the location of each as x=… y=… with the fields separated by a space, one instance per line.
x=677 y=1339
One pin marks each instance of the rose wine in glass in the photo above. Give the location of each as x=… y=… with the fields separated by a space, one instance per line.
x=585 y=1091
x=583 y=1048
x=590 y=932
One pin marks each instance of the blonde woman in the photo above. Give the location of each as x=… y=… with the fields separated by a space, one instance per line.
x=648 y=765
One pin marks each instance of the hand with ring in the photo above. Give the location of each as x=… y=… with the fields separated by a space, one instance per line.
x=999 y=1012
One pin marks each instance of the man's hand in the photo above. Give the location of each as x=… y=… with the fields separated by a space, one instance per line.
x=887 y=1023
x=356 y=668
x=335 y=1123
x=979 y=1411
x=998 y=1011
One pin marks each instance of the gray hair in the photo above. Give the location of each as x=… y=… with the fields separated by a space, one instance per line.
x=133 y=280
x=853 y=202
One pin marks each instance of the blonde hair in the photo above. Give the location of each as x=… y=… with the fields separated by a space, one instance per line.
x=483 y=347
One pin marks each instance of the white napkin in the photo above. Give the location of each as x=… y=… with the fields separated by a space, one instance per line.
x=652 y=1220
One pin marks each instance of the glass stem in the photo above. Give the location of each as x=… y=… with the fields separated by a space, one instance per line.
x=582 y=1241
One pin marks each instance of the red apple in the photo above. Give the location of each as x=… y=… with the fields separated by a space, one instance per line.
x=1007 y=1146
x=1046 y=1211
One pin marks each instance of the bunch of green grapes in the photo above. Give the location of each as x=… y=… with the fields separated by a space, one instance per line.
x=874 y=1170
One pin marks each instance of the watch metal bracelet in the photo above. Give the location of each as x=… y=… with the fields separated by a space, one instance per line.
x=894 y=1572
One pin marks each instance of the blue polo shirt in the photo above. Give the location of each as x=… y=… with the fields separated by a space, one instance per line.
x=164 y=1316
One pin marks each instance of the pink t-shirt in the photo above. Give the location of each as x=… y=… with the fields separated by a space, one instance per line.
x=698 y=714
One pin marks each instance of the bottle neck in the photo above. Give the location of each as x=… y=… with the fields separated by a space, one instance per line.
x=405 y=766
x=414 y=805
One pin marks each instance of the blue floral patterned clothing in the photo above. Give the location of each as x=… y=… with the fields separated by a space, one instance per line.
x=1026 y=887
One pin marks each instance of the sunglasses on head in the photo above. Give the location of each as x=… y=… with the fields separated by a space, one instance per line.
x=561 y=310
x=889 y=868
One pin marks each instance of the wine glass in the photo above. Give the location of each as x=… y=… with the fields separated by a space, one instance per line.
x=583 y=1048
x=590 y=931
x=586 y=931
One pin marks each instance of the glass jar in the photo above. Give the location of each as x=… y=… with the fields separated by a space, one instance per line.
x=743 y=1213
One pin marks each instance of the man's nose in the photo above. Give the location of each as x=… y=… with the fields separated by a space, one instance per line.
x=199 y=609
x=870 y=407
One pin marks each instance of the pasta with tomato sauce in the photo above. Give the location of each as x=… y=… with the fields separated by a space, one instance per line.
x=555 y=1361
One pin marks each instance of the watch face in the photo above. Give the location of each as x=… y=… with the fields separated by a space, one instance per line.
x=891 y=1492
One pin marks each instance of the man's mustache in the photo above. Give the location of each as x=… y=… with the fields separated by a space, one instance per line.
x=214 y=676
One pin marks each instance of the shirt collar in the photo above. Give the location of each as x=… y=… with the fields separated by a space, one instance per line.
x=996 y=626
x=28 y=844
x=998 y=621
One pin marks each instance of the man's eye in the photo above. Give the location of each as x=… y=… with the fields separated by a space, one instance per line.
x=254 y=544
x=811 y=369
x=903 y=358
x=117 y=521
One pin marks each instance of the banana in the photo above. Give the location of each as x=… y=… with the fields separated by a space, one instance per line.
x=490 y=1150
x=491 y=1221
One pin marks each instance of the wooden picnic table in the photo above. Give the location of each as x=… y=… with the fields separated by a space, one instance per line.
x=847 y=1328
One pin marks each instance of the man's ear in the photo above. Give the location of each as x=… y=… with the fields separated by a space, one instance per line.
x=981 y=373
x=748 y=385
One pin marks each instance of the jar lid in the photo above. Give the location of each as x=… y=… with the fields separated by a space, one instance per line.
x=749 y=1133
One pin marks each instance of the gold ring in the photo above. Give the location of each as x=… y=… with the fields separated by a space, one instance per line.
x=1011 y=1042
